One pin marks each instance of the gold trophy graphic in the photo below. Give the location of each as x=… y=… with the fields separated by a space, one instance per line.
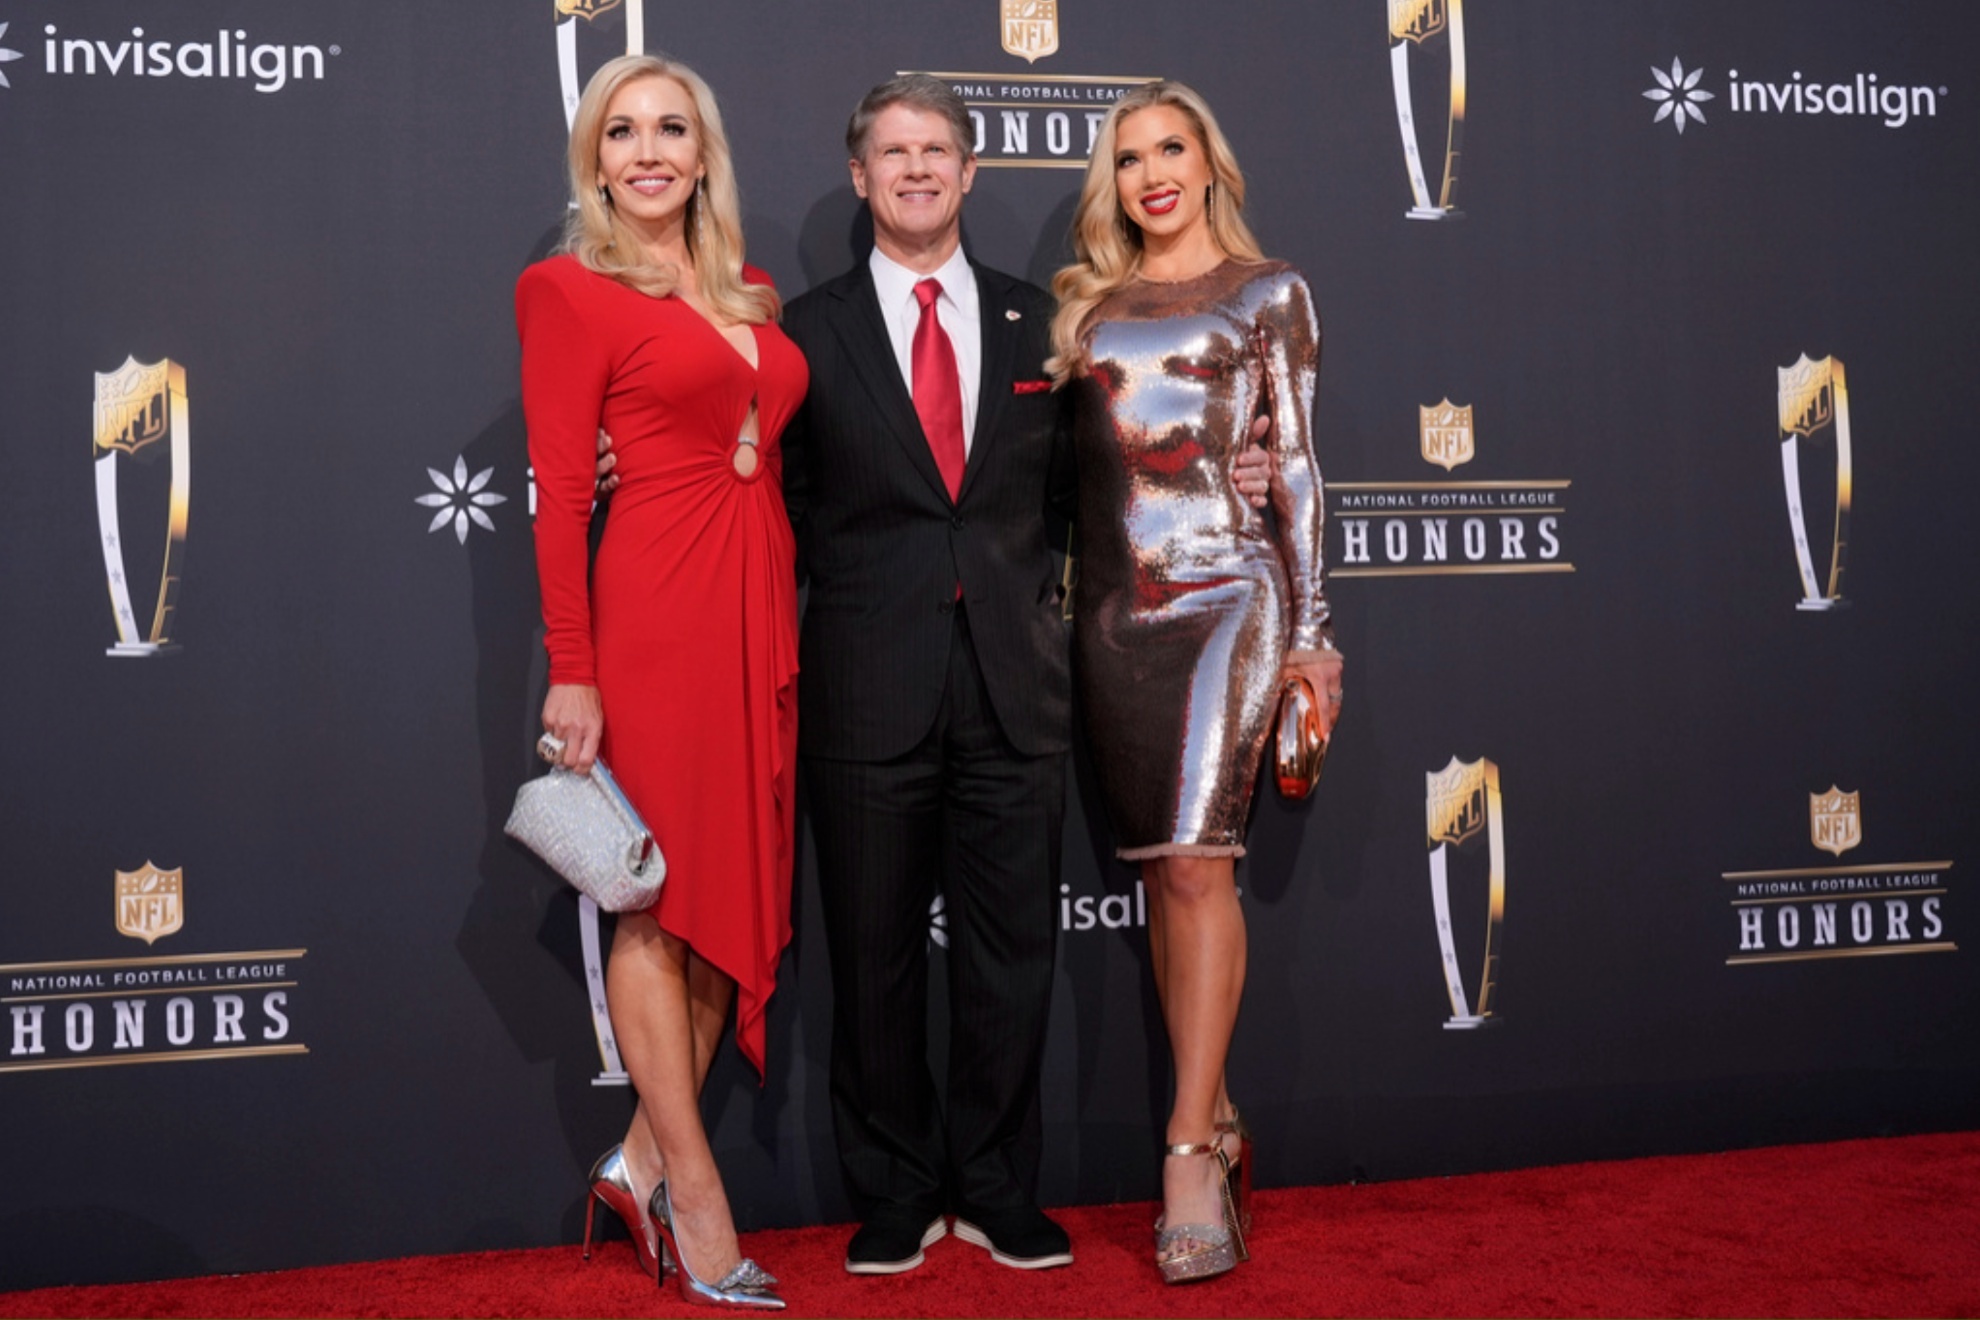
x=569 y=12
x=138 y=406
x=1814 y=397
x=1461 y=803
x=1415 y=23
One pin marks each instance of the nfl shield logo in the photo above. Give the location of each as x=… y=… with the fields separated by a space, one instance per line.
x=1447 y=435
x=150 y=902
x=1807 y=395
x=133 y=405
x=1031 y=28
x=1835 y=820
x=1454 y=802
x=1413 y=20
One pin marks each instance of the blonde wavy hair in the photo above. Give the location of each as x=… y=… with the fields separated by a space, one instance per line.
x=1107 y=245
x=602 y=242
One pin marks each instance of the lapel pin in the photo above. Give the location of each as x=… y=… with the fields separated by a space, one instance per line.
x=1013 y=314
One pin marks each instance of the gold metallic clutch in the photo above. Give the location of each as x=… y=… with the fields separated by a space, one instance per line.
x=1299 y=746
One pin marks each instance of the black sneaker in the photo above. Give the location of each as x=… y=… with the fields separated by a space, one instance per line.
x=891 y=1244
x=1021 y=1237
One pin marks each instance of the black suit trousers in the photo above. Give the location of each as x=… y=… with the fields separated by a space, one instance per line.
x=965 y=815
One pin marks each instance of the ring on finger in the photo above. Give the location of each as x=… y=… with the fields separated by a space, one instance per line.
x=550 y=747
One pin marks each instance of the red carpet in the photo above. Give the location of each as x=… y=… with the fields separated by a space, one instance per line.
x=1882 y=1227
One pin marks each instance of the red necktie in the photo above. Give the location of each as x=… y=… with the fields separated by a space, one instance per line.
x=938 y=389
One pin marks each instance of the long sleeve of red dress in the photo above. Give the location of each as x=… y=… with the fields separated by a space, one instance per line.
x=565 y=373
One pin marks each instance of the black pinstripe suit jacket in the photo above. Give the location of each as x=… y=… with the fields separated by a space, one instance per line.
x=883 y=546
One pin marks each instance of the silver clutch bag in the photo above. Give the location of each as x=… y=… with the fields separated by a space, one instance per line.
x=584 y=827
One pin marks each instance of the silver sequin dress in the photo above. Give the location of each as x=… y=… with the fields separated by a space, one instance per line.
x=1189 y=600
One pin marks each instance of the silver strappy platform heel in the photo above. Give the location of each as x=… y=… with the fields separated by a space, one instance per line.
x=1187 y=1252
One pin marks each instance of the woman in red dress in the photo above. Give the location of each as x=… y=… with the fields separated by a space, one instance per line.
x=677 y=660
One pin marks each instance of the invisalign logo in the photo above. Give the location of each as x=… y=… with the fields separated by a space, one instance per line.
x=1897 y=105
x=229 y=55
x=1680 y=95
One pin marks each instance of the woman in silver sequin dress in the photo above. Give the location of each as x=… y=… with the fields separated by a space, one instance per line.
x=1182 y=344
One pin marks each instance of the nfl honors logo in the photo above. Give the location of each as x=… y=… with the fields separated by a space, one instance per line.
x=1420 y=528
x=151 y=1007
x=1446 y=433
x=1835 y=820
x=1851 y=909
x=150 y=902
x=1031 y=28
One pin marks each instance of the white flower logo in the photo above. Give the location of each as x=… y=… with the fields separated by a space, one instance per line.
x=938 y=923
x=461 y=500
x=1679 y=93
x=6 y=57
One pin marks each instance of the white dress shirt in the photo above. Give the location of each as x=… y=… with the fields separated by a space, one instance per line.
x=957 y=311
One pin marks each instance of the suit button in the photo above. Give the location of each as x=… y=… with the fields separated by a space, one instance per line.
x=946 y=607
x=956 y=522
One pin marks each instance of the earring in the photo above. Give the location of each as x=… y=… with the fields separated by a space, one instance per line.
x=604 y=195
x=1209 y=197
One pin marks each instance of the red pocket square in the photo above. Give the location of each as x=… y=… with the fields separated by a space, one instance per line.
x=1030 y=386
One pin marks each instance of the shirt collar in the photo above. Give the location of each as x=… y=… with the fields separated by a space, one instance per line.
x=894 y=283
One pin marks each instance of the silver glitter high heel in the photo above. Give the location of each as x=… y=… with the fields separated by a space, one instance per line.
x=748 y=1285
x=611 y=1187
x=1188 y=1252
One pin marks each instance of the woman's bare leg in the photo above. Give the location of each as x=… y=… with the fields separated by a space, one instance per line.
x=709 y=995
x=1201 y=962
x=1153 y=893
x=662 y=1009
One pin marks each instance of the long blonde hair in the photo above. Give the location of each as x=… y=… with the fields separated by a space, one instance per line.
x=1107 y=245
x=601 y=242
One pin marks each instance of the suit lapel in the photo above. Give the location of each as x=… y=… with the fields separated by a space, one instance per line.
x=993 y=387
x=863 y=331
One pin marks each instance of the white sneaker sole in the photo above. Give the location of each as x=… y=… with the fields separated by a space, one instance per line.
x=937 y=1230
x=975 y=1236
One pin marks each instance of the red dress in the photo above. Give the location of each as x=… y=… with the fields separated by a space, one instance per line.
x=689 y=628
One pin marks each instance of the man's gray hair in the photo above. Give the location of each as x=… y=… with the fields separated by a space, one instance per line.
x=919 y=91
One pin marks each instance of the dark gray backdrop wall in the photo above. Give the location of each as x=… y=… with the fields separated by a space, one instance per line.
x=274 y=991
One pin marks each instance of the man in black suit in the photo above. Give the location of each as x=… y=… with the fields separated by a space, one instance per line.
x=933 y=691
